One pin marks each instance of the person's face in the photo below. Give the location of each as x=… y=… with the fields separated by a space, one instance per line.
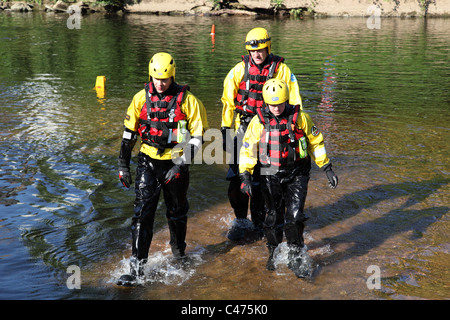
x=259 y=55
x=161 y=85
x=277 y=109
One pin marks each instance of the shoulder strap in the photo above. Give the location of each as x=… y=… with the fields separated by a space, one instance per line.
x=260 y=112
x=181 y=94
x=276 y=60
x=246 y=60
x=148 y=95
x=292 y=120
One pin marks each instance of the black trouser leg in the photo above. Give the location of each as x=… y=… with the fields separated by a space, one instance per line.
x=273 y=223
x=270 y=265
x=277 y=196
x=175 y=198
x=294 y=225
x=147 y=190
x=274 y=205
x=177 y=228
x=257 y=210
x=238 y=200
x=295 y=195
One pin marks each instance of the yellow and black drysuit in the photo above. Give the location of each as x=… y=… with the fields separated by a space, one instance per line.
x=242 y=96
x=284 y=146
x=173 y=120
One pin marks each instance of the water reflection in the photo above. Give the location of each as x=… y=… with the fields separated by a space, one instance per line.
x=328 y=85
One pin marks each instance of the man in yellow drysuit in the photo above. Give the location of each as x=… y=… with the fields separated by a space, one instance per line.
x=283 y=139
x=170 y=121
x=241 y=98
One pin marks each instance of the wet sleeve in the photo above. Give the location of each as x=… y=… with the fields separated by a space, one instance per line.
x=285 y=74
x=195 y=113
x=197 y=123
x=230 y=90
x=316 y=145
x=248 y=156
x=134 y=110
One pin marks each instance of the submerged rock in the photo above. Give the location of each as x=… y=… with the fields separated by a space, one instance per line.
x=21 y=7
x=60 y=6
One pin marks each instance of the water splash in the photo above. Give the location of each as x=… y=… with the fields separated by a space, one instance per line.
x=282 y=259
x=161 y=267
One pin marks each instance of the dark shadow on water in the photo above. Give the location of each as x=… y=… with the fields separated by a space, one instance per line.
x=373 y=233
x=224 y=247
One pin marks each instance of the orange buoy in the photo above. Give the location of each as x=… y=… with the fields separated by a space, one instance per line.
x=213 y=36
x=213 y=40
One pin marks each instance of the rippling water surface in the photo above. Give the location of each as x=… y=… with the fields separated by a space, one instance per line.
x=380 y=96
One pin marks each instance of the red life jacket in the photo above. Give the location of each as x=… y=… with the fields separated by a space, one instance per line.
x=279 y=143
x=158 y=121
x=249 y=96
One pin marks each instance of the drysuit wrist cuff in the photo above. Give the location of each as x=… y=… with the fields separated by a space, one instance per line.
x=327 y=167
x=245 y=176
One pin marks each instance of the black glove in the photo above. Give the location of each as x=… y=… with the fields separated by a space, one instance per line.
x=127 y=145
x=174 y=173
x=124 y=175
x=226 y=137
x=246 y=183
x=332 y=177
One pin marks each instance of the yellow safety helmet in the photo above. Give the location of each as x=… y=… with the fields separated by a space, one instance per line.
x=258 y=38
x=275 y=91
x=161 y=66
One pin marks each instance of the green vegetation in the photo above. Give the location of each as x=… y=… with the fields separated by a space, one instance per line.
x=217 y=4
x=424 y=4
x=277 y=4
x=105 y=3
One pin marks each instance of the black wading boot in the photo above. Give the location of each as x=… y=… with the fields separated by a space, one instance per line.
x=270 y=265
x=299 y=261
x=136 y=272
x=239 y=229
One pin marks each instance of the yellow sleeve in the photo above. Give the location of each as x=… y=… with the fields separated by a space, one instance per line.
x=195 y=113
x=284 y=73
x=316 y=145
x=230 y=90
x=248 y=155
x=134 y=110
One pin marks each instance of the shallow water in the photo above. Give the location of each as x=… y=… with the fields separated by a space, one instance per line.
x=380 y=96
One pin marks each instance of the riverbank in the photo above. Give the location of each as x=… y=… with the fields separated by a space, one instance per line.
x=296 y=8
x=316 y=8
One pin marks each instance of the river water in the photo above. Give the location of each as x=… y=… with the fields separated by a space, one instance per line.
x=381 y=97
